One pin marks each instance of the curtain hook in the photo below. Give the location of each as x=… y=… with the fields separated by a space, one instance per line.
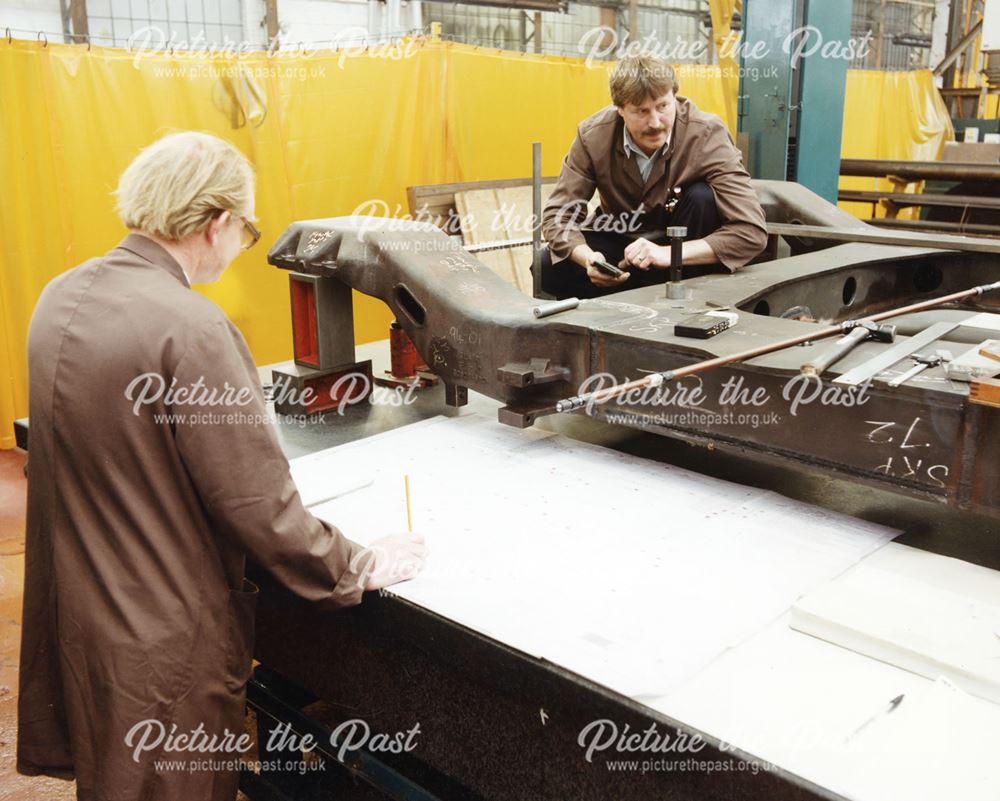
x=43 y=39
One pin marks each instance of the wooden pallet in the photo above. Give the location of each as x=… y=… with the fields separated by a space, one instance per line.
x=503 y=211
x=496 y=215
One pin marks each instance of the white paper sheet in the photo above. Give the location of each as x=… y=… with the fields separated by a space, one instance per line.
x=920 y=611
x=820 y=711
x=629 y=572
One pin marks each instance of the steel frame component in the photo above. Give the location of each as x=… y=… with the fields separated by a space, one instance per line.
x=323 y=345
x=268 y=695
x=924 y=439
x=480 y=704
x=322 y=321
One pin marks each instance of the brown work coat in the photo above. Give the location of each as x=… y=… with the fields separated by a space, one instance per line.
x=700 y=149
x=135 y=603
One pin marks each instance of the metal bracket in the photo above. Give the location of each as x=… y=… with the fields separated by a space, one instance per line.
x=521 y=416
x=535 y=371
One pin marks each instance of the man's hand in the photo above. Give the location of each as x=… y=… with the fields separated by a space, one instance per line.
x=390 y=560
x=644 y=254
x=586 y=257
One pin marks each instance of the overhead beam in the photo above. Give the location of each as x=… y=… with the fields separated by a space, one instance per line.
x=78 y=16
x=271 y=20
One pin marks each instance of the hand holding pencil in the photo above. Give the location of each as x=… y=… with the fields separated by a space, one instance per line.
x=397 y=557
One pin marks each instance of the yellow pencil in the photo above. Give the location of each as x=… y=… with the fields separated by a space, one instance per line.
x=409 y=517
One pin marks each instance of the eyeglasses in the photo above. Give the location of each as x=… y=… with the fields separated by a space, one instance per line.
x=249 y=236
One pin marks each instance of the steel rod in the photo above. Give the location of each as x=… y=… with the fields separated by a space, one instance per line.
x=979 y=230
x=907 y=199
x=918 y=170
x=548 y=309
x=536 y=219
x=496 y=244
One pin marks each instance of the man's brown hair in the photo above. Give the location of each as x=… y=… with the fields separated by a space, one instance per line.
x=636 y=78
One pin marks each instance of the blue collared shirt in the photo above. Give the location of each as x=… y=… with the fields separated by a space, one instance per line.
x=643 y=162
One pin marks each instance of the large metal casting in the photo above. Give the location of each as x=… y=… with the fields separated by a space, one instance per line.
x=924 y=438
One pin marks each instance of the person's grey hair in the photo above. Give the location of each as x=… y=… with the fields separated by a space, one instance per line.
x=177 y=185
x=636 y=78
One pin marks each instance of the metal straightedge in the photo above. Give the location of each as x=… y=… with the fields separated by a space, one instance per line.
x=895 y=354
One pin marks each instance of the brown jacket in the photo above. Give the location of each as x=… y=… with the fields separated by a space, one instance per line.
x=700 y=150
x=135 y=604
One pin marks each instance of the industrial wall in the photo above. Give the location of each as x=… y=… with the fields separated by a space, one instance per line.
x=328 y=132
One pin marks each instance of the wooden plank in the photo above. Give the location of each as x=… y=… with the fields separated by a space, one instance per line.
x=991 y=349
x=487 y=211
x=480 y=215
x=501 y=214
x=438 y=196
x=516 y=201
x=986 y=392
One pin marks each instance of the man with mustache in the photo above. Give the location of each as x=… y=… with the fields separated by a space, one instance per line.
x=655 y=161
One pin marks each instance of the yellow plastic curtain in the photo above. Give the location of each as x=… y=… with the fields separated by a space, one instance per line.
x=724 y=41
x=891 y=115
x=328 y=133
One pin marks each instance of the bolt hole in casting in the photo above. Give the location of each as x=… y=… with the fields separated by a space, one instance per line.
x=927 y=278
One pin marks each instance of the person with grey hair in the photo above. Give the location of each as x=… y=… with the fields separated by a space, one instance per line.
x=154 y=471
x=655 y=161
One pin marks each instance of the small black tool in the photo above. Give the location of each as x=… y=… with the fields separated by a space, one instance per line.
x=703 y=326
x=607 y=269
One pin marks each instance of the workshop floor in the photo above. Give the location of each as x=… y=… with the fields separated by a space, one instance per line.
x=14 y=787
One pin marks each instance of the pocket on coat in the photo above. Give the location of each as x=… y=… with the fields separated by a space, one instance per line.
x=239 y=654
